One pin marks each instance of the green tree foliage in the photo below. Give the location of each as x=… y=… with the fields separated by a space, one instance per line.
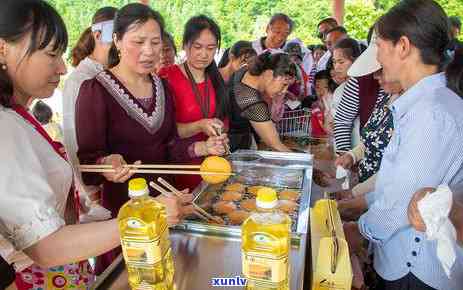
x=244 y=19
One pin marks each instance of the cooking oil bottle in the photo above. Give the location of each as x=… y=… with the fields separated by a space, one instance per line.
x=145 y=240
x=265 y=244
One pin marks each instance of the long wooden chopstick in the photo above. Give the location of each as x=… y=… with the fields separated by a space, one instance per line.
x=179 y=194
x=154 y=171
x=142 y=166
x=168 y=194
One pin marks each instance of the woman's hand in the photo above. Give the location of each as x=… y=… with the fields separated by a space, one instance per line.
x=216 y=145
x=352 y=209
x=344 y=195
x=177 y=207
x=414 y=216
x=121 y=174
x=209 y=126
x=346 y=161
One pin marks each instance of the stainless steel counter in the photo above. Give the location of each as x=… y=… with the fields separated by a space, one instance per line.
x=198 y=258
x=202 y=253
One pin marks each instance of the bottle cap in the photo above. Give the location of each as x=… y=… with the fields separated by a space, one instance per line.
x=138 y=187
x=266 y=198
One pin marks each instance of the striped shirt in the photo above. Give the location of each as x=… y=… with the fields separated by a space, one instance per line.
x=425 y=151
x=347 y=112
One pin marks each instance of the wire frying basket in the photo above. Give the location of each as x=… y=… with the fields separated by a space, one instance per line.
x=295 y=123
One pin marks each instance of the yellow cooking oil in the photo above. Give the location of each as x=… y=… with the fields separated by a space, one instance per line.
x=265 y=244
x=145 y=240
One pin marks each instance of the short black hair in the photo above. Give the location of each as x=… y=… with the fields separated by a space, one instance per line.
x=42 y=112
x=322 y=75
x=341 y=29
x=330 y=20
x=314 y=47
x=351 y=48
x=294 y=49
x=455 y=21
x=325 y=75
x=282 y=17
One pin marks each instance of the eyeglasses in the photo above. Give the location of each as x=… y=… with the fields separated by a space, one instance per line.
x=280 y=32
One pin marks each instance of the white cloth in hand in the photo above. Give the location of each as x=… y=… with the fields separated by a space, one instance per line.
x=341 y=173
x=434 y=209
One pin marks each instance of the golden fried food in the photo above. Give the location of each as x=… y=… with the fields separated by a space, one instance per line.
x=254 y=189
x=287 y=206
x=237 y=187
x=231 y=196
x=248 y=204
x=215 y=164
x=289 y=195
x=237 y=217
x=224 y=207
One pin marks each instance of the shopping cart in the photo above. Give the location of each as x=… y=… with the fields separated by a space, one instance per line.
x=295 y=123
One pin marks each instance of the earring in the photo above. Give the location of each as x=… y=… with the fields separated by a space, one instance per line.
x=4 y=66
x=119 y=53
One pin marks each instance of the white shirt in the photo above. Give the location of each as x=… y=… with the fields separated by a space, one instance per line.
x=34 y=183
x=87 y=69
x=323 y=62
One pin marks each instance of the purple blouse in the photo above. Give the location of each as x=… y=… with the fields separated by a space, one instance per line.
x=110 y=120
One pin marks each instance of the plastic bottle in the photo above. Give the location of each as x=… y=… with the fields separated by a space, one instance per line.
x=145 y=239
x=266 y=242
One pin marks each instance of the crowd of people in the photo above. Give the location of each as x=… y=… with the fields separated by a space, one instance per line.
x=392 y=104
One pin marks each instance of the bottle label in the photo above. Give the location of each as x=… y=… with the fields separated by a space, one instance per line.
x=265 y=268
x=146 y=251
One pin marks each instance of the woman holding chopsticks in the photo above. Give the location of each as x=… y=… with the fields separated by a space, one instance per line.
x=197 y=88
x=126 y=115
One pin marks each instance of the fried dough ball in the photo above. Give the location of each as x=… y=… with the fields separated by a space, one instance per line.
x=248 y=204
x=289 y=195
x=254 y=189
x=237 y=187
x=287 y=206
x=231 y=196
x=224 y=207
x=237 y=217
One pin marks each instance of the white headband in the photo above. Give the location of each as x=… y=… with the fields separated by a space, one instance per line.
x=106 y=28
